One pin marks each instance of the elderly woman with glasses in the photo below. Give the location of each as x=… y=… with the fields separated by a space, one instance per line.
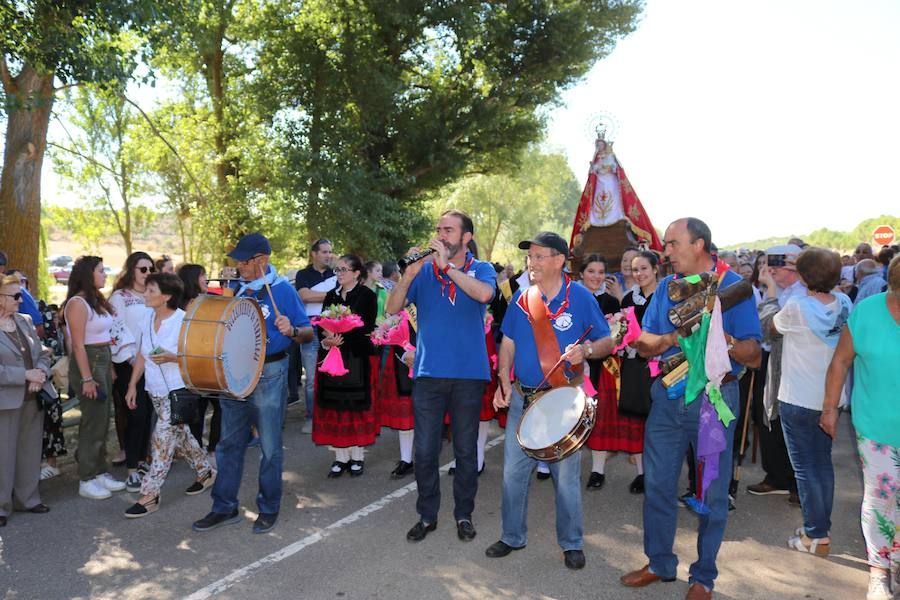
x=24 y=367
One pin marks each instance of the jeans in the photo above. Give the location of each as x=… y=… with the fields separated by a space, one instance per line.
x=431 y=398
x=264 y=408
x=517 y=470
x=309 y=355
x=671 y=427
x=810 y=450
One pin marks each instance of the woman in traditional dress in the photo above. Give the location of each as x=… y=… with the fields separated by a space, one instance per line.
x=344 y=416
x=634 y=392
x=604 y=376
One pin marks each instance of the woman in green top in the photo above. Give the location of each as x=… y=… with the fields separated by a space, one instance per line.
x=871 y=344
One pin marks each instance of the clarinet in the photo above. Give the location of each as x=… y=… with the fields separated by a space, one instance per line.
x=414 y=257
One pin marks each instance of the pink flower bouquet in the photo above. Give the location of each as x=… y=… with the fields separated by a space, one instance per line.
x=336 y=319
x=393 y=331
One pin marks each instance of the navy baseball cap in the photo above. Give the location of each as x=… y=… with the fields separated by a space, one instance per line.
x=547 y=239
x=249 y=246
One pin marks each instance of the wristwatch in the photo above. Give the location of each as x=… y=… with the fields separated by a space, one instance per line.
x=590 y=350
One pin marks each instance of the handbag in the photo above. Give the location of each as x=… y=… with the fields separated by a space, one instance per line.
x=184 y=405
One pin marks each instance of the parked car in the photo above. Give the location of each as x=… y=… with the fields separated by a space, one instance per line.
x=59 y=260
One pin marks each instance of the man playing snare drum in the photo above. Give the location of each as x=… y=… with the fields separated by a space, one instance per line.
x=570 y=310
x=286 y=320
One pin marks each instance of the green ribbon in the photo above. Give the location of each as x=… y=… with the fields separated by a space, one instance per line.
x=694 y=347
x=724 y=413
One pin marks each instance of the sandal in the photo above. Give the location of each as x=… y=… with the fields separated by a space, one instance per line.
x=142 y=509
x=804 y=543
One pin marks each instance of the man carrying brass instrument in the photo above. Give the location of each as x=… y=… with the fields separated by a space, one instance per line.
x=531 y=340
x=672 y=425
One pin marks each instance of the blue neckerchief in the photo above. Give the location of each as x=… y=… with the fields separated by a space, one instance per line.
x=271 y=277
x=824 y=322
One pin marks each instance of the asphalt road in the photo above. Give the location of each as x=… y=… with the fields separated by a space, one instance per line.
x=345 y=538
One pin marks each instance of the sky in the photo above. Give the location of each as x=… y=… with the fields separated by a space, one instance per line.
x=763 y=118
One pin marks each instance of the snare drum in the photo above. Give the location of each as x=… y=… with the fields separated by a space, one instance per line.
x=556 y=423
x=222 y=345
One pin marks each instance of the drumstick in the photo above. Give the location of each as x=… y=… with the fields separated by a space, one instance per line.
x=561 y=359
x=268 y=289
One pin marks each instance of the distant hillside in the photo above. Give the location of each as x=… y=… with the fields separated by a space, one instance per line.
x=842 y=241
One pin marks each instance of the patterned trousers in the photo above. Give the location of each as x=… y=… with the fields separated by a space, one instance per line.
x=168 y=438
x=881 y=501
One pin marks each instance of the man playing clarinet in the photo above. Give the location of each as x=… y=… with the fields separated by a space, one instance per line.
x=543 y=324
x=672 y=425
x=450 y=290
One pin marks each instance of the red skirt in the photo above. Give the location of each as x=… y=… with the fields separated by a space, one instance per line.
x=394 y=411
x=613 y=431
x=345 y=428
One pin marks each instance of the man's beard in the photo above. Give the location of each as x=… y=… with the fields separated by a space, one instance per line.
x=453 y=249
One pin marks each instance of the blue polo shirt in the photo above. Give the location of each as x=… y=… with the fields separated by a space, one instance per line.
x=290 y=306
x=29 y=307
x=741 y=320
x=450 y=340
x=582 y=312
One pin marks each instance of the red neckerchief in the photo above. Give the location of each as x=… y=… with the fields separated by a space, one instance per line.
x=523 y=301
x=447 y=283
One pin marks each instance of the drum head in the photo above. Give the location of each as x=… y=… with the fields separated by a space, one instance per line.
x=551 y=417
x=243 y=350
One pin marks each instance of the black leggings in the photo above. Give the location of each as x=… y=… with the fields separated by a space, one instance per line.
x=138 y=428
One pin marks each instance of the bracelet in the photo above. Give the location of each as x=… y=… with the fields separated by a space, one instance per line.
x=87 y=379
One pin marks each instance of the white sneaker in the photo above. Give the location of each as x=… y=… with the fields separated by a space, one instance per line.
x=110 y=482
x=48 y=471
x=93 y=489
x=879 y=586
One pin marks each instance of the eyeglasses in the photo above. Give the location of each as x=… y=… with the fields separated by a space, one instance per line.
x=17 y=296
x=343 y=270
x=540 y=259
x=145 y=269
x=244 y=262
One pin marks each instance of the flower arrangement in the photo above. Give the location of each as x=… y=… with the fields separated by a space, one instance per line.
x=336 y=319
x=392 y=330
x=623 y=327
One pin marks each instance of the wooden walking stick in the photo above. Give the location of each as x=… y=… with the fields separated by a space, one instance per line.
x=737 y=469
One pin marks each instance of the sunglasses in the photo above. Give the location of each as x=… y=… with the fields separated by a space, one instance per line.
x=145 y=269
x=17 y=296
x=344 y=270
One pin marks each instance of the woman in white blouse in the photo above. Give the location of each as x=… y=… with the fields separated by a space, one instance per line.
x=811 y=326
x=157 y=362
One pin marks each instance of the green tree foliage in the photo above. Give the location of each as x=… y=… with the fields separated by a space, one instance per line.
x=842 y=241
x=541 y=194
x=43 y=42
x=101 y=155
x=381 y=103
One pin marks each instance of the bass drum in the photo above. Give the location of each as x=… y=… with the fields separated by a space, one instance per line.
x=556 y=423
x=222 y=345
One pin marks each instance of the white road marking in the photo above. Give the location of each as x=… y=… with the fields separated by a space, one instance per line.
x=236 y=576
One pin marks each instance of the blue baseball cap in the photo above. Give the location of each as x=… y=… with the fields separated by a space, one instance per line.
x=251 y=245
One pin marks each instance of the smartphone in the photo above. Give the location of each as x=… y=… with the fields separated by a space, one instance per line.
x=156 y=351
x=101 y=395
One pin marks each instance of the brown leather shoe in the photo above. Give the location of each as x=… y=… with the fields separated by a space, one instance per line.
x=641 y=578
x=698 y=592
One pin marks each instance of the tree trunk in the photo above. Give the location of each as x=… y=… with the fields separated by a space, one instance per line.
x=29 y=98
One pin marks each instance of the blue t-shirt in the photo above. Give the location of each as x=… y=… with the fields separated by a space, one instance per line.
x=451 y=340
x=583 y=311
x=741 y=320
x=290 y=306
x=29 y=307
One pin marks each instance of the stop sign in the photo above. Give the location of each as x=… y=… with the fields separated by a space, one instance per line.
x=883 y=235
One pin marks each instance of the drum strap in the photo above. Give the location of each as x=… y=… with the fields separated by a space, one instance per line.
x=544 y=338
